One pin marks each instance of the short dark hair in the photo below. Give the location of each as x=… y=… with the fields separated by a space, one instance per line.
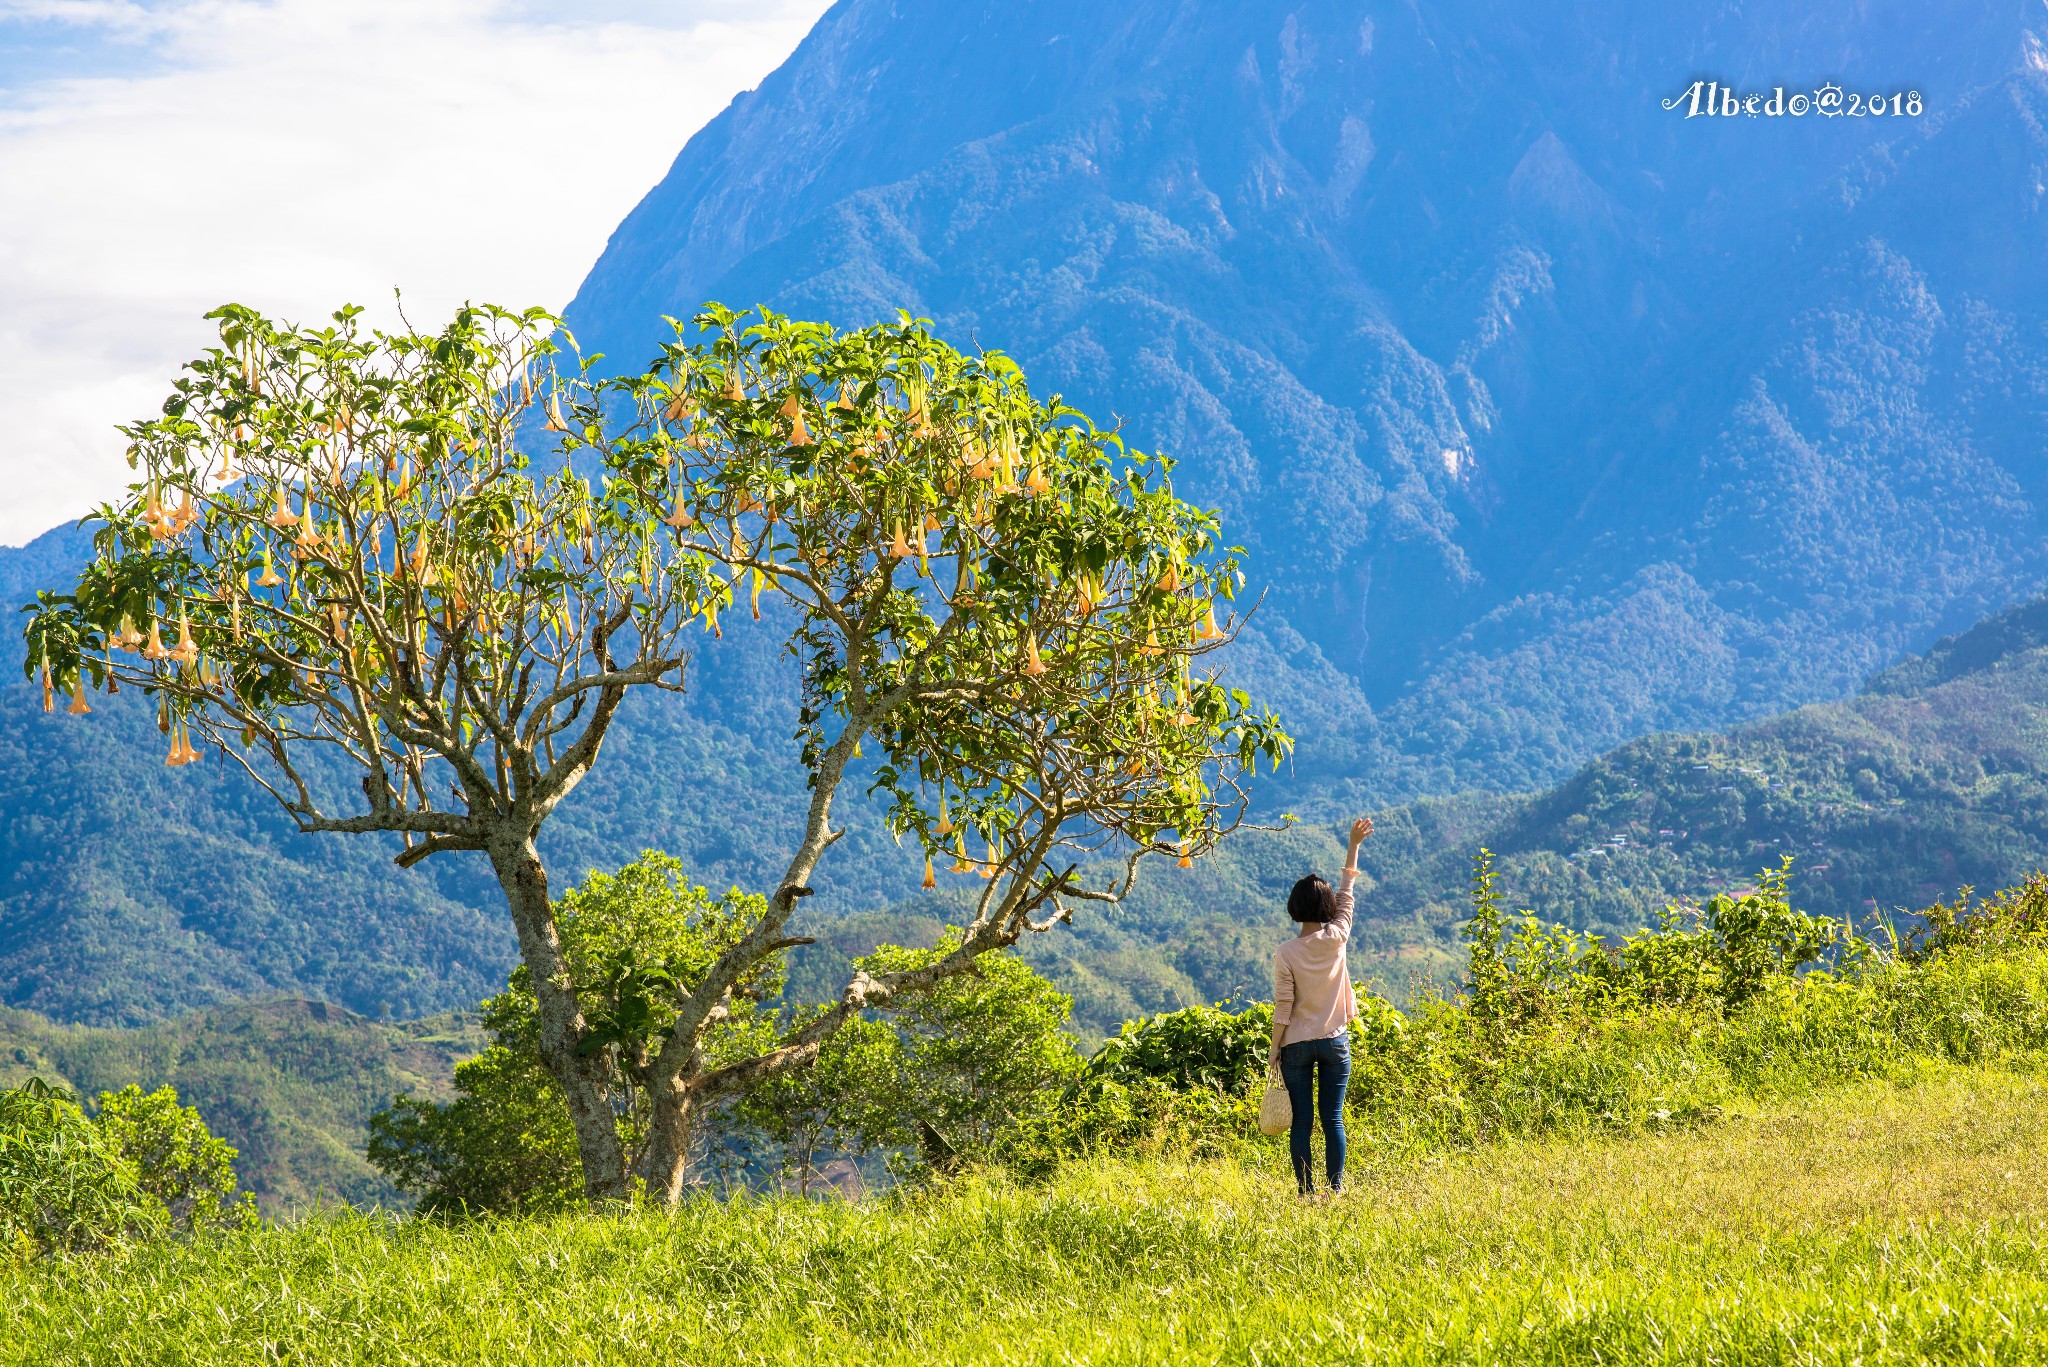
x=1312 y=900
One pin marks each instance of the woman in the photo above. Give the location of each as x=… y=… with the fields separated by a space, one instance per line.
x=1312 y=1008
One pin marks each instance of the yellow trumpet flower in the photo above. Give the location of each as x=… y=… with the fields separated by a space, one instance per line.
x=187 y=650
x=931 y=879
x=78 y=706
x=793 y=409
x=1032 y=664
x=281 y=515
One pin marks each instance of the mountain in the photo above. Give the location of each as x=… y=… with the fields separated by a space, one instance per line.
x=1550 y=416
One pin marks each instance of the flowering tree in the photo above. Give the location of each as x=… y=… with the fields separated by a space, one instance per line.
x=339 y=544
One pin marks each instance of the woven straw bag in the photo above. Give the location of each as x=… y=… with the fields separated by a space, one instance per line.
x=1276 y=1109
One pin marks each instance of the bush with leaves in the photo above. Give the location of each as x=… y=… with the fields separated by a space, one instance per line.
x=180 y=1163
x=1197 y=1048
x=1724 y=954
x=143 y=1167
x=2016 y=918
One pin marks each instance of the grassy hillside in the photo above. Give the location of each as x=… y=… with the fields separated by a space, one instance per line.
x=291 y=1084
x=1885 y=1223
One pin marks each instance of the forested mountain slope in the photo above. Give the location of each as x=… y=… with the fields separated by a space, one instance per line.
x=1935 y=776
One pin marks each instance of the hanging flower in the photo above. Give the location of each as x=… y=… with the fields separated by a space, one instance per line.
x=187 y=650
x=793 y=409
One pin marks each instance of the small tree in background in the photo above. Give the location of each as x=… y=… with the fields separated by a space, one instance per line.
x=632 y=942
x=812 y=1115
x=338 y=545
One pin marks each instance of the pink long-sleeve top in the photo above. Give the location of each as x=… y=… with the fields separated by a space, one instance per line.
x=1312 y=997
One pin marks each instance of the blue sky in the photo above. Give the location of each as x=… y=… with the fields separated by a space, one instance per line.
x=160 y=156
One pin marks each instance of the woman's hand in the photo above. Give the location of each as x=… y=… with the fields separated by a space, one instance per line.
x=1360 y=829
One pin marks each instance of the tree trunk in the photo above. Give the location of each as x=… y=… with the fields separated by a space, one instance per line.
x=668 y=1146
x=584 y=1081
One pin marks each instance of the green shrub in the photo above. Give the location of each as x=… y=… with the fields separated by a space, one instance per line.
x=64 y=1184
x=145 y=1166
x=2013 y=919
x=1197 y=1048
x=178 y=1161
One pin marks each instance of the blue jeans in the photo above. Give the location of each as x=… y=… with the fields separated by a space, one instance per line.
x=1328 y=1062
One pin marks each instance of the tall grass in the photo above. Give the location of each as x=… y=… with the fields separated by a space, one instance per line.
x=1885 y=1222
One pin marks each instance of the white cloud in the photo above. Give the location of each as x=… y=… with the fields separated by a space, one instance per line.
x=298 y=154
